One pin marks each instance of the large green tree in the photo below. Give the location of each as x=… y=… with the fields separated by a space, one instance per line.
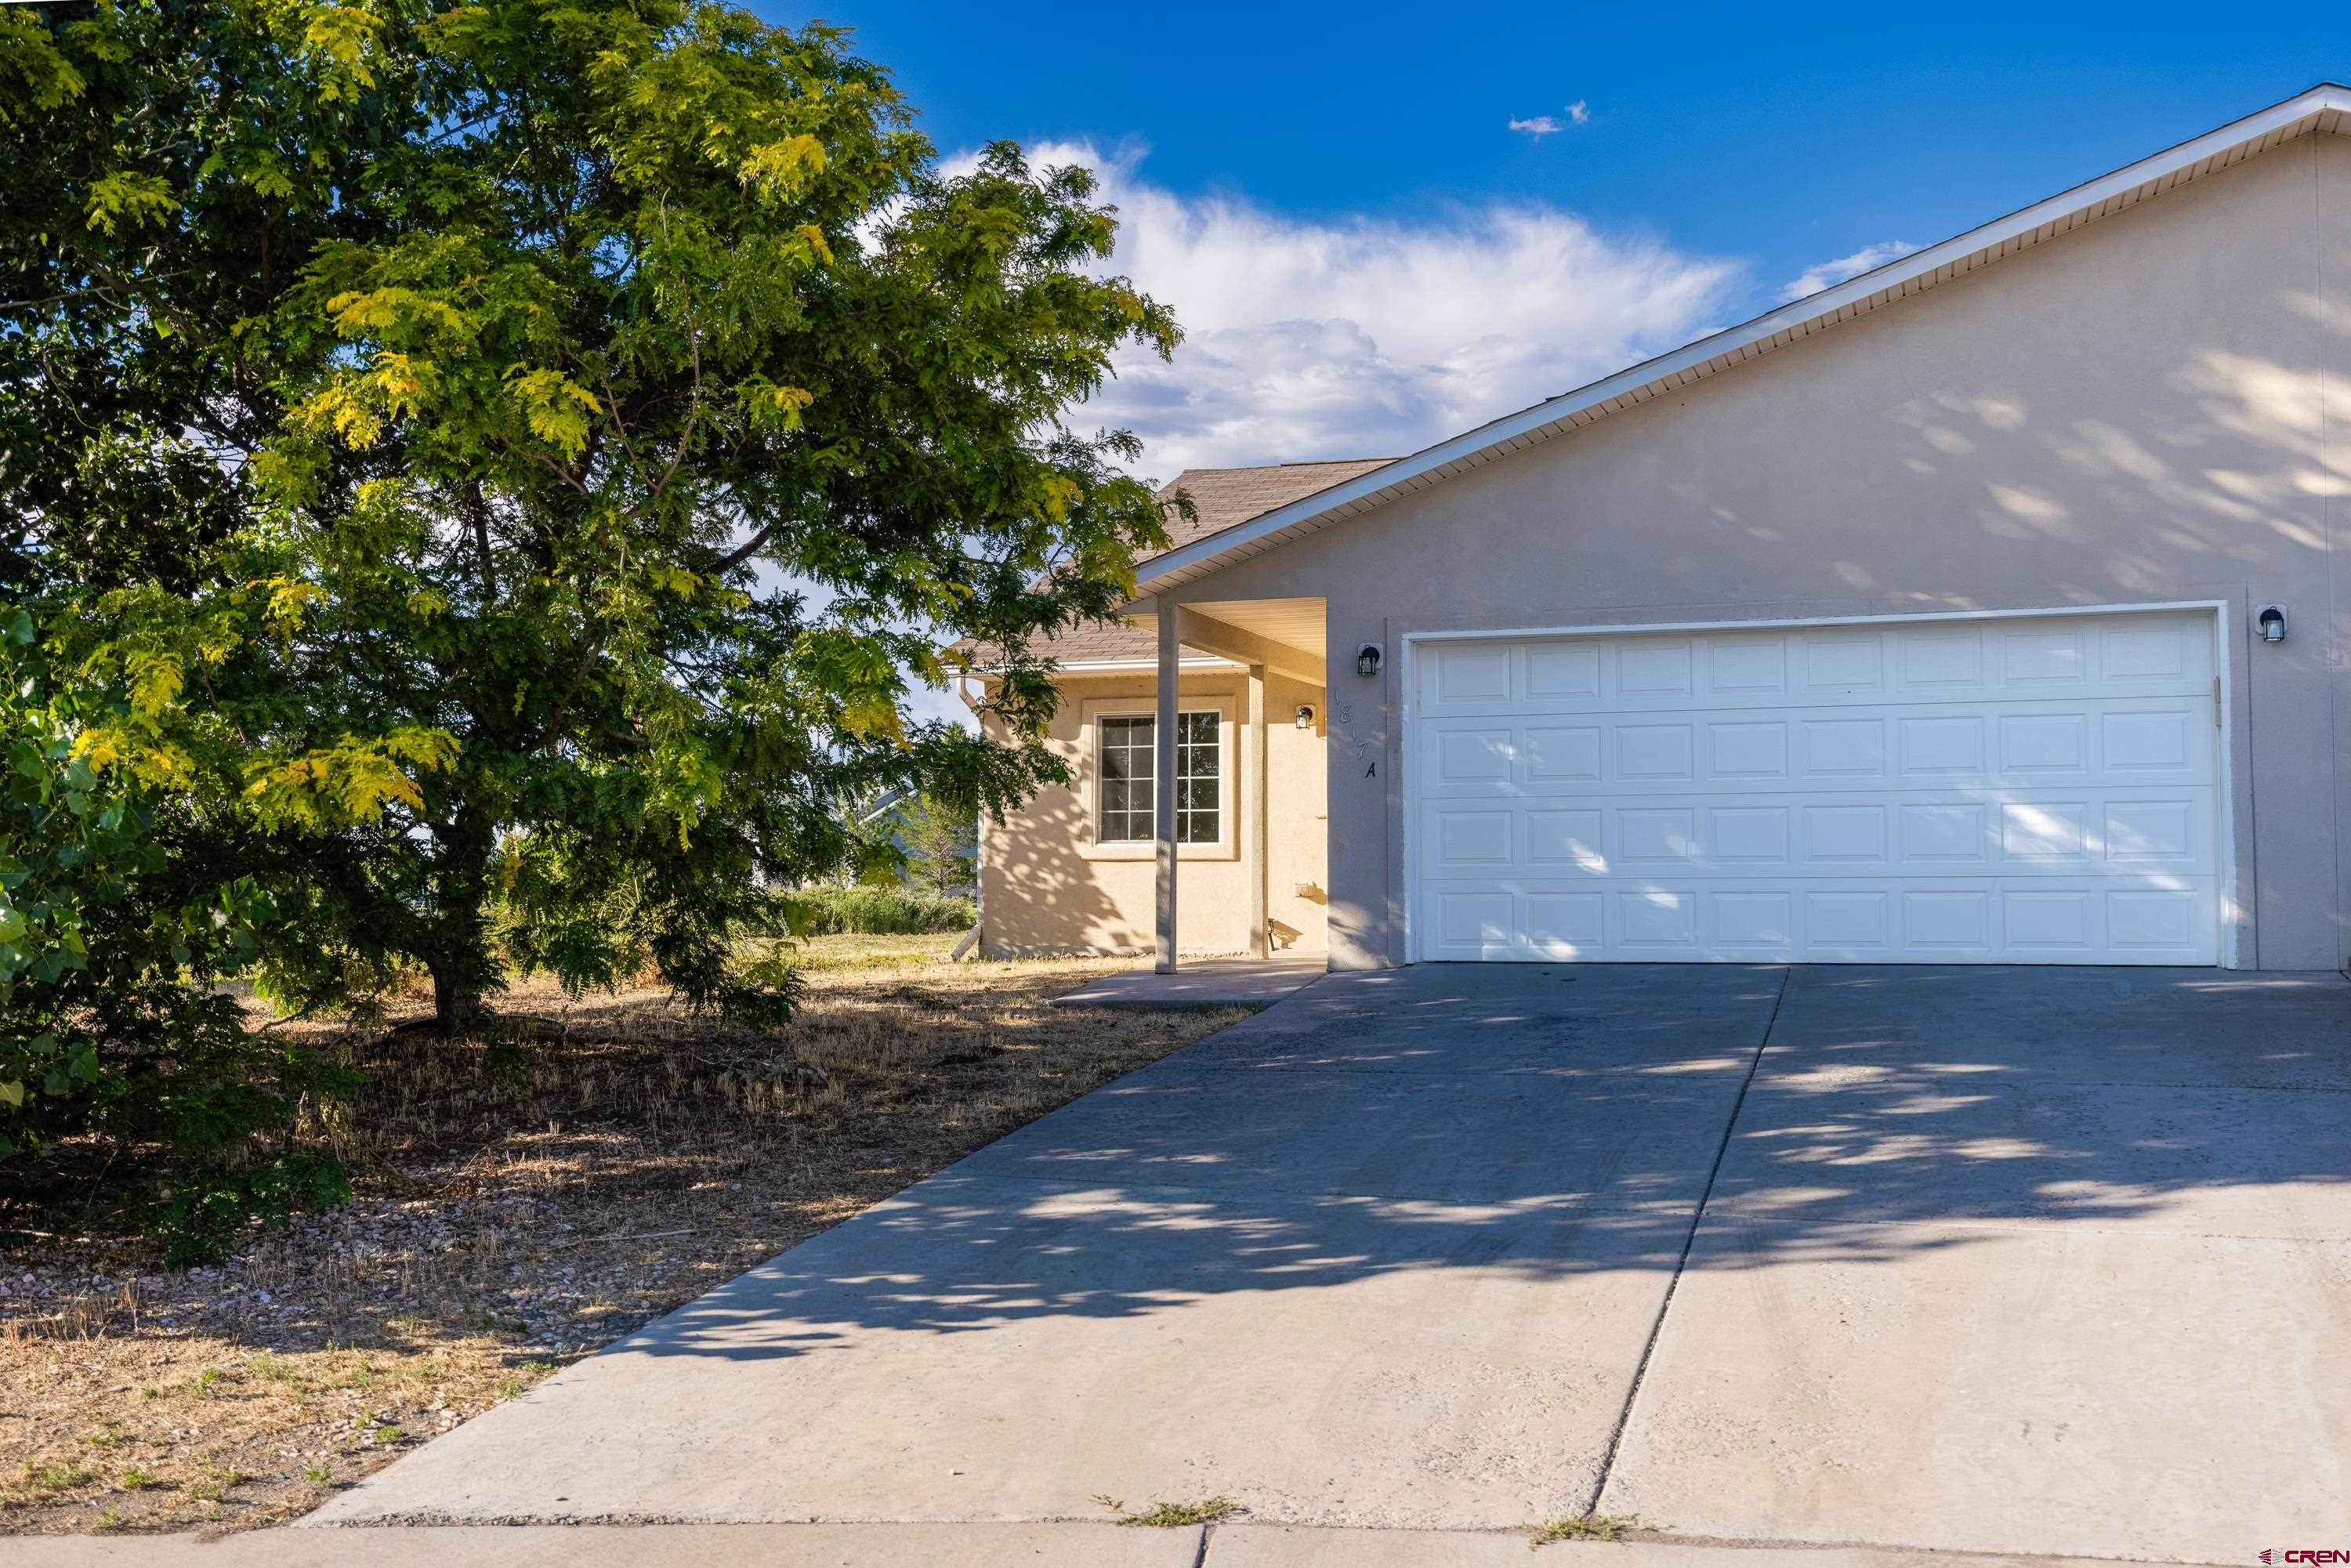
x=488 y=472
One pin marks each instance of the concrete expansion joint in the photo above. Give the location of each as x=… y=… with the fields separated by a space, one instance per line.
x=1696 y=1547
x=1689 y=1239
x=1697 y=1544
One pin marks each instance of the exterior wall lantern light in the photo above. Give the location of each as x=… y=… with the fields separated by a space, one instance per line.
x=1367 y=660
x=2272 y=620
x=1306 y=716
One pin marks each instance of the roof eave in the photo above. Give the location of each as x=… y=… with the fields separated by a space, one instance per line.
x=2327 y=107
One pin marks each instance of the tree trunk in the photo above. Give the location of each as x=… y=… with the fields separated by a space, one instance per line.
x=456 y=1006
x=465 y=971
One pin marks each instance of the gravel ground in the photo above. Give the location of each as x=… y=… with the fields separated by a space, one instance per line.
x=512 y=1216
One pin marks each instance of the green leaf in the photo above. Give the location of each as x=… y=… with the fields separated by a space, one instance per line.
x=551 y=396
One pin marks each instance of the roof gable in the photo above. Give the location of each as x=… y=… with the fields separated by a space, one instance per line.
x=1221 y=499
x=2324 y=108
x=1224 y=496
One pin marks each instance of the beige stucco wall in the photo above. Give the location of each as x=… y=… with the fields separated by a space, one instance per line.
x=2148 y=409
x=1046 y=886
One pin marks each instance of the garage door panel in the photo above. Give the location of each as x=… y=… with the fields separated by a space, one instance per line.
x=2156 y=832
x=1841 y=662
x=1852 y=924
x=1657 y=921
x=1747 y=749
x=2157 y=920
x=1466 y=677
x=1577 y=839
x=1747 y=666
x=1563 y=672
x=2146 y=741
x=1943 y=835
x=1942 y=662
x=1473 y=755
x=2121 y=741
x=1948 y=923
x=1474 y=838
x=1649 y=837
x=1846 y=836
x=1566 y=925
x=1646 y=668
x=1752 y=836
x=1946 y=791
x=1879 y=920
x=1559 y=755
x=1921 y=832
x=1942 y=744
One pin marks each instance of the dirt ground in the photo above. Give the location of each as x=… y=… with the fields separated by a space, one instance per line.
x=515 y=1211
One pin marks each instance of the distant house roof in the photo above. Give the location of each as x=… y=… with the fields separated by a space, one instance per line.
x=1221 y=499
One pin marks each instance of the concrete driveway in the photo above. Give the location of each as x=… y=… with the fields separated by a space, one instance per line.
x=2027 y=1260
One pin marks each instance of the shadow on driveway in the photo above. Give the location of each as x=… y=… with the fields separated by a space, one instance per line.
x=1396 y=1252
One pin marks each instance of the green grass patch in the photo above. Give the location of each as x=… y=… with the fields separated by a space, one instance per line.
x=885 y=912
x=1583 y=1527
x=1175 y=1515
x=48 y=1481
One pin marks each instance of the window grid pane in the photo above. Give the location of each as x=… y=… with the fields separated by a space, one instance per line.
x=1129 y=776
x=1127 y=773
x=1198 y=761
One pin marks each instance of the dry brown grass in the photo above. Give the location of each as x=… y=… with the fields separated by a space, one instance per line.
x=512 y=1216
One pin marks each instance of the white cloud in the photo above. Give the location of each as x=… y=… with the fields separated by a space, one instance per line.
x=1829 y=273
x=1542 y=125
x=1370 y=336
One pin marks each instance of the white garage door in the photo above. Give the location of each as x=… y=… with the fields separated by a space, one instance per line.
x=1995 y=790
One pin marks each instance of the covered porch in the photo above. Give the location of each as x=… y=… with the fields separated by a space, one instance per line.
x=1265 y=637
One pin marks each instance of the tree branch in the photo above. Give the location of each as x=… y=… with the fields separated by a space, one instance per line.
x=757 y=541
x=553 y=728
x=477 y=511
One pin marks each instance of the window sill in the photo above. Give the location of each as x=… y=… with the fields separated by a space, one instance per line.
x=1147 y=852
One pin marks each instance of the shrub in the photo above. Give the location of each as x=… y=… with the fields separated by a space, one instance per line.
x=884 y=912
x=128 y=1080
x=941 y=842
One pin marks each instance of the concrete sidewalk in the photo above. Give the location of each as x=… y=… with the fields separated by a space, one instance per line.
x=1387 y=1254
x=1062 y=1545
x=2047 y=1262
x=1201 y=983
x=2037 y=1259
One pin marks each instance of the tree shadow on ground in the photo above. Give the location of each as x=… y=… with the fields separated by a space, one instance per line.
x=1546 y=1123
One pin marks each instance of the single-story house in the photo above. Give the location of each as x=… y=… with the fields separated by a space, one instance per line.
x=1982 y=608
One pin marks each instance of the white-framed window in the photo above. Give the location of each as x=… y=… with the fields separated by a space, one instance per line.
x=1126 y=775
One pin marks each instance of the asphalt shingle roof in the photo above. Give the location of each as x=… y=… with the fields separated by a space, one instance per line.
x=1220 y=499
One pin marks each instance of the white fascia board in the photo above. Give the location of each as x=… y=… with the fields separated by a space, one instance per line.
x=1123 y=666
x=1797 y=319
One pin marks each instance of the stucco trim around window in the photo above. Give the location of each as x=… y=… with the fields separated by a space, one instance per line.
x=1226 y=845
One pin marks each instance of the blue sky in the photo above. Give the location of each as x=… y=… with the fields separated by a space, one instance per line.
x=1367 y=255
x=1768 y=132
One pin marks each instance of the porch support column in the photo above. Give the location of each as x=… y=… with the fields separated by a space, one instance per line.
x=1163 y=796
x=1257 y=830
